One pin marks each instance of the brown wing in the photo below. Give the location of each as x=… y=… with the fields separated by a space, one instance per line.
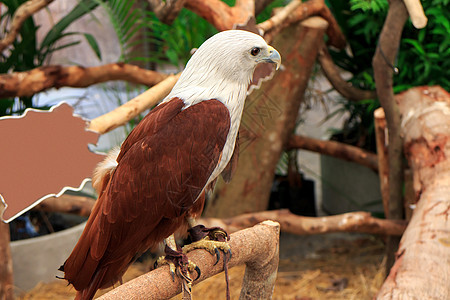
x=163 y=167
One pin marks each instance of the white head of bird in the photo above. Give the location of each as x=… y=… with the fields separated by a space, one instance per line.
x=222 y=68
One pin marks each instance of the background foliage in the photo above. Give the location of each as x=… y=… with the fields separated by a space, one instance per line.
x=423 y=58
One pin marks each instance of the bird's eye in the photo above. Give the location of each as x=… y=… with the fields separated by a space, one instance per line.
x=255 y=51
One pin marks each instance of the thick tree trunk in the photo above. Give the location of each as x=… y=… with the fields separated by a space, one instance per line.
x=422 y=270
x=6 y=269
x=269 y=119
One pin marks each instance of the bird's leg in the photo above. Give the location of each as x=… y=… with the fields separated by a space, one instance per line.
x=178 y=264
x=210 y=239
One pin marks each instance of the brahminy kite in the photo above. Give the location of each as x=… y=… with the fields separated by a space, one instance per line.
x=155 y=185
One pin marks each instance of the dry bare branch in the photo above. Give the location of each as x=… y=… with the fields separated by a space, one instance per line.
x=335 y=149
x=220 y=15
x=24 y=11
x=343 y=87
x=295 y=12
x=28 y=83
x=415 y=10
x=349 y=222
x=257 y=247
x=382 y=154
x=135 y=106
x=383 y=68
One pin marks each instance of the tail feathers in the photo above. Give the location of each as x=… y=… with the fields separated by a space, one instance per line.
x=103 y=171
x=88 y=292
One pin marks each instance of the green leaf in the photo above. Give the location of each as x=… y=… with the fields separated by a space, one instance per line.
x=94 y=45
x=54 y=34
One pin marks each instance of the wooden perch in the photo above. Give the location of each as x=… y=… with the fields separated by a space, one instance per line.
x=257 y=247
x=421 y=270
x=135 y=106
x=289 y=222
x=28 y=83
x=335 y=149
x=24 y=11
x=343 y=87
x=220 y=15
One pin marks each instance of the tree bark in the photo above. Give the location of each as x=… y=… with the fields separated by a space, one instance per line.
x=421 y=270
x=268 y=120
x=6 y=268
x=257 y=247
x=28 y=83
x=335 y=149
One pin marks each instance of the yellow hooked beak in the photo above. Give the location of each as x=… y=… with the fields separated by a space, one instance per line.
x=274 y=57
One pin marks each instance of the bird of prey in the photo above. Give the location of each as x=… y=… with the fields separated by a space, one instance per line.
x=155 y=185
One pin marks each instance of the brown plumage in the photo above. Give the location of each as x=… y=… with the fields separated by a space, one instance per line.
x=150 y=192
x=168 y=161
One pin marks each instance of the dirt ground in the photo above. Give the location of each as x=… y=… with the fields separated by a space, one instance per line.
x=332 y=266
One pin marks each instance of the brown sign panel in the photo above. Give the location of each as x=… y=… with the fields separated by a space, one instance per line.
x=42 y=154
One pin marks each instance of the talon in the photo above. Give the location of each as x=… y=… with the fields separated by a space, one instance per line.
x=217 y=255
x=197 y=269
x=231 y=254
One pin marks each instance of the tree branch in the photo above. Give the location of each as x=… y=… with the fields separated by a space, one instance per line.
x=71 y=204
x=28 y=83
x=351 y=222
x=382 y=65
x=260 y=5
x=24 y=11
x=335 y=149
x=382 y=154
x=257 y=247
x=220 y=15
x=166 y=11
x=343 y=87
x=135 y=106
x=297 y=11
x=421 y=269
x=289 y=222
x=383 y=62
